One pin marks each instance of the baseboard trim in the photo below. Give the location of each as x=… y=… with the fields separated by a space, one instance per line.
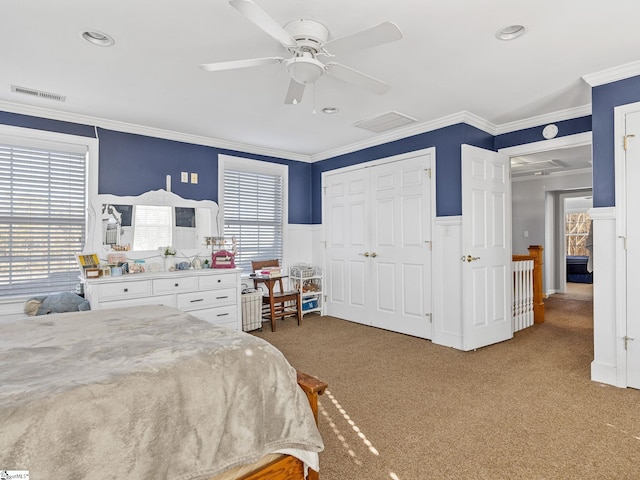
x=605 y=374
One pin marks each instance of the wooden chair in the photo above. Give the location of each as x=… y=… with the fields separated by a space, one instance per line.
x=276 y=302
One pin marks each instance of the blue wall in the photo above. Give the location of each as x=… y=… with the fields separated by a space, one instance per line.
x=448 y=156
x=604 y=99
x=133 y=164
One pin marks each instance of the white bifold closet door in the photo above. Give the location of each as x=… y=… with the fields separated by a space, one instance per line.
x=377 y=222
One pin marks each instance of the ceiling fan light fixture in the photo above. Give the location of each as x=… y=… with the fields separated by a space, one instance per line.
x=511 y=32
x=98 y=38
x=305 y=69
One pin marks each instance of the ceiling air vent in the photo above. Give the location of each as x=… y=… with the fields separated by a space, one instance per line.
x=384 y=122
x=38 y=93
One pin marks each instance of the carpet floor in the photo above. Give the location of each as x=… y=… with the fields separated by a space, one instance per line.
x=402 y=408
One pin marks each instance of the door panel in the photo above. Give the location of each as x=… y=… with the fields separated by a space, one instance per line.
x=486 y=272
x=346 y=238
x=399 y=243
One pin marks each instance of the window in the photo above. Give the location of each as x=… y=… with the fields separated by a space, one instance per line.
x=253 y=198
x=43 y=203
x=577 y=227
x=153 y=226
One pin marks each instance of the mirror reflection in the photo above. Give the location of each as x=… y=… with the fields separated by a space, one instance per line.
x=151 y=221
x=149 y=227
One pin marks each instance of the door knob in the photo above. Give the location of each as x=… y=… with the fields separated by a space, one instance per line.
x=374 y=254
x=469 y=258
x=365 y=254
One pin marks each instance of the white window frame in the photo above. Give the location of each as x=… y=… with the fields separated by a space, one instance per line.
x=45 y=139
x=256 y=166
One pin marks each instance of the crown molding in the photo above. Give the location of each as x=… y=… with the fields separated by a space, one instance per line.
x=397 y=134
x=148 y=131
x=614 y=74
x=553 y=117
x=409 y=131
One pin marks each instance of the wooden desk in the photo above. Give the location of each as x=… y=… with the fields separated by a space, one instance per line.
x=277 y=300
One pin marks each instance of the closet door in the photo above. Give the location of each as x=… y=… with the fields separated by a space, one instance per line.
x=400 y=253
x=346 y=219
x=378 y=252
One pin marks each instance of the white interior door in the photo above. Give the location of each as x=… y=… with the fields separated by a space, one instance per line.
x=346 y=219
x=632 y=165
x=378 y=256
x=486 y=247
x=400 y=246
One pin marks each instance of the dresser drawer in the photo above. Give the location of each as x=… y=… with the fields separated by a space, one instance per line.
x=208 y=298
x=218 y=281
x=167 y=300
x=124 y=290
x=227 y=316
x=175 y=285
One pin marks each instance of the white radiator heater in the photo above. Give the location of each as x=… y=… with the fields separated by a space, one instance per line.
x=522 y=294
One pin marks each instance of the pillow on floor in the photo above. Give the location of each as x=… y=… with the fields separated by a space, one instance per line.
x=55 y=303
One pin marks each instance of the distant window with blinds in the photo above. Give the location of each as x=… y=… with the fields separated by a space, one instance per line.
x=153 y=227
x=253 y=214
x=43 y=195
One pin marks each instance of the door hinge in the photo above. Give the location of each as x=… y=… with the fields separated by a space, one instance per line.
x=324 y=299
x=626 y=141
x=430 y=244
x=624 y=241
x=430 y=317
x=626 y=341
x=428 y=170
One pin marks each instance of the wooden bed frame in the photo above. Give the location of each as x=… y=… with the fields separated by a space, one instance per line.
x=287 y=467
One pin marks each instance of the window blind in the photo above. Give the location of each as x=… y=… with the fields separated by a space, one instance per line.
x=42 y=218
x=253 y=211
x=153 y=226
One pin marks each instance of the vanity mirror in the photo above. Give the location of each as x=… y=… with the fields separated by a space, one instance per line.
x=150 y=221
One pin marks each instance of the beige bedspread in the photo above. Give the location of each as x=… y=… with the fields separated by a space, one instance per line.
x=143 y=393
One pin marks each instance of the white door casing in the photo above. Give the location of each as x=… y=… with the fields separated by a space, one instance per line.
x=378 y=232
x=631 y=341
x=486 y=273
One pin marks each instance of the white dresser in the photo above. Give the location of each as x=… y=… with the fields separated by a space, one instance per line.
x=210 y=294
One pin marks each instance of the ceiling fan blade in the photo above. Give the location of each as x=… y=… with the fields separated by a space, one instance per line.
x=252 y=62
x=384 y=33
x=357 y=78
x=294 y=93
x=264 y=21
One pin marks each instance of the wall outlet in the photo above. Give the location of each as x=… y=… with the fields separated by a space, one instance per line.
x=194 y=178
x=184 y=177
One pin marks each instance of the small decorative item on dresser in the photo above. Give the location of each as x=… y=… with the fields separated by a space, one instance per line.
x=223 y=259
x=169 y=258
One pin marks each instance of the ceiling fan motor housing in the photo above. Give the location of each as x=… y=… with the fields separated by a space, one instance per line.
x=309 y=34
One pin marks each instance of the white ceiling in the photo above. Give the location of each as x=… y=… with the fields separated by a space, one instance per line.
x=553 y=161
x=449 y=61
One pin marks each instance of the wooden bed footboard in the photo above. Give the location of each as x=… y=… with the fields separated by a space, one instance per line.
x=288 y=467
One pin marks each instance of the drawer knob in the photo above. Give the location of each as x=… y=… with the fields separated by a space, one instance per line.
x=220 y=298
x=126 y=289
x=197 y=300
x=219 y=280
x=176 y=284
x=222 y=314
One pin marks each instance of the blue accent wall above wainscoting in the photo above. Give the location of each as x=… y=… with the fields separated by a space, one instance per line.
x=132 y=164
x=604 y=99
x=447 y=140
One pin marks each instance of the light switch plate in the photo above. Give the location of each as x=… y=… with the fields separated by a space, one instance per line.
x=194 y=178
x=184 y=177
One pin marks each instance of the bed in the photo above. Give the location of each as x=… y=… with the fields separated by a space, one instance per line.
x=151 y=392
x=577 y=269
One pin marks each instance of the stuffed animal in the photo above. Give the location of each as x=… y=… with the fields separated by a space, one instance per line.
x=55 y=303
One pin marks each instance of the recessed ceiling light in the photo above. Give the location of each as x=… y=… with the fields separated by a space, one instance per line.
x=330 y=110
x=98 y=38
x=511 y=32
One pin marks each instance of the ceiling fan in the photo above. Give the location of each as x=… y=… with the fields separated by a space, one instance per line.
x=306 y=40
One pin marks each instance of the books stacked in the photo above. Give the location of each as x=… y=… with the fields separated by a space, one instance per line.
x=270 y=272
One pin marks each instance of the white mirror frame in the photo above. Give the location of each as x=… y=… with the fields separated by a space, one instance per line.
x=154 y=197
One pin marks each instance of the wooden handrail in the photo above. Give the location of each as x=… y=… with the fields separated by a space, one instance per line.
x=535 y=254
